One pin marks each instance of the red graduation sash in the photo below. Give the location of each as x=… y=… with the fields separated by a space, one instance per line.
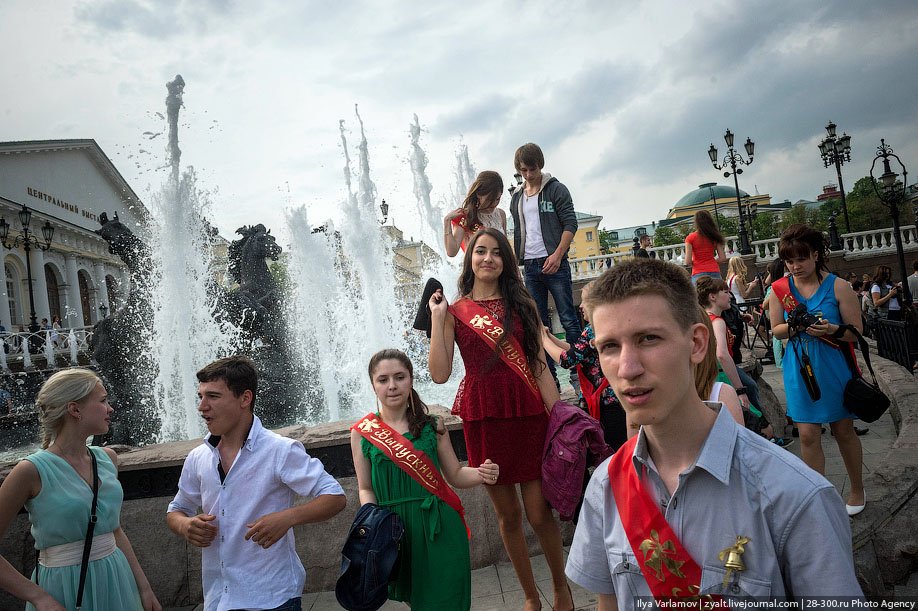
x=463 y=222
x=781 y=287
x=670 y=572
x=412 y=461
x=489 y=329
x=591 y=394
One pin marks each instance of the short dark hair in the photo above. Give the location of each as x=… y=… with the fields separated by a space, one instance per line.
x=529 y=154
x=707 y=286
x=801 y=240
x=639 y=277
x=237 y=372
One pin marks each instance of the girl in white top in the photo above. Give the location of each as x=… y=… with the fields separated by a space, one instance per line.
x=736 y=279
x=479 y=209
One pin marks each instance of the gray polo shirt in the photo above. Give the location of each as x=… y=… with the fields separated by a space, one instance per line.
x=741 y=484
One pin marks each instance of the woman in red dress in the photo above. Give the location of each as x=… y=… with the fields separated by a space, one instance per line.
x=504 y=398
x=479 y=209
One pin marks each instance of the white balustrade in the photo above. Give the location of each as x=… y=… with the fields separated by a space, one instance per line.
x=875 y=241
x=24 y=346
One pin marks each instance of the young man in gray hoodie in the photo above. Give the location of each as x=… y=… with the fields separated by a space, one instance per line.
x=544 y=223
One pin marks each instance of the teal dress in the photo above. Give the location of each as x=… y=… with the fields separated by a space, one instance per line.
x=829 y=366
x=434 y=569
x=60 y=514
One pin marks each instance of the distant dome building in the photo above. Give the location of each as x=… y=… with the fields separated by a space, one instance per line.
x=714 y=198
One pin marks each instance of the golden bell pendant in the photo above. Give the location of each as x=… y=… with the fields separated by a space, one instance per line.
x=734 y=561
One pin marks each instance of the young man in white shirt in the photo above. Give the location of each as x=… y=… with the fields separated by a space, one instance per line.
x=695 y=506
x=236 y=497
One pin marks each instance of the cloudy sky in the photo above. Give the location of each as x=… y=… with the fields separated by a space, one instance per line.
x=624 y=97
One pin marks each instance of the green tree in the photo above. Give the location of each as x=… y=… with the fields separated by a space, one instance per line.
x=667 y=236
x=608 y=240
x=865 y=209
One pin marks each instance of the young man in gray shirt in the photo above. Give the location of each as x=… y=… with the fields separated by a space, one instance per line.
x=695 y=506
x=544 y=223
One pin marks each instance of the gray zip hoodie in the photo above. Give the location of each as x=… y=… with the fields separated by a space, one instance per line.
x=556 y=215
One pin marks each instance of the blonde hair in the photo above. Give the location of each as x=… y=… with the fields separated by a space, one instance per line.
x=58 y=391
x=737 y=266
x=706 y=371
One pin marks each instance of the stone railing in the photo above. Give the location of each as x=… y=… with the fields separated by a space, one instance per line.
x=856 y=245
x=53 y=347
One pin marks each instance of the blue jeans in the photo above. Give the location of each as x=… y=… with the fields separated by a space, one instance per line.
x=695 y=277
x=562 y=291
x=752 y=388
x=294 y=604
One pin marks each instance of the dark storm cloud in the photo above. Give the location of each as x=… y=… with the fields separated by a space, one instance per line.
x=779 y=82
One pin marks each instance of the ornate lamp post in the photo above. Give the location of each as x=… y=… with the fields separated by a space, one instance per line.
x=732 y=159
x=751 y=209
x=836 y=150
x=384 y=208
x=28 y=242
x=513 y=187
x=891 y=192
x=103 y=310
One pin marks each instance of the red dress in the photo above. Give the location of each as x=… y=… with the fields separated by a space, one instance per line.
x=502 y=419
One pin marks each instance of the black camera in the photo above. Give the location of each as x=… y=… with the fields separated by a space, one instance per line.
x=799 y=319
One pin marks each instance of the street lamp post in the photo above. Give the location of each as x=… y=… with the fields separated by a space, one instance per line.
x=751 y=209
x=513 y=187
x=891 y=192
x=384 y=208
x=732 y=159
x=28 y=242
x=836 y=150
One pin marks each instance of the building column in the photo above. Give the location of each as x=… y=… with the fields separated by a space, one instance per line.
x=126 y=287
x=42 y=309
x=5 y=319
x=72 y=294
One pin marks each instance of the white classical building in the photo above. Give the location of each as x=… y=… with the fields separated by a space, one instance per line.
x=68 y=183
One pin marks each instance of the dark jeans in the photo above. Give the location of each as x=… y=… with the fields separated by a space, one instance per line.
x=562 y=291
x=294 y=604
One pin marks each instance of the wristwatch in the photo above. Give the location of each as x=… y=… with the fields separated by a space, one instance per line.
x=741 y=390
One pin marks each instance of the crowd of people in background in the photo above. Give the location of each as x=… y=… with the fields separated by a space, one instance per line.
x=695 y=471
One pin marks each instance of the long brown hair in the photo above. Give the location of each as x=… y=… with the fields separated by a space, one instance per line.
x=417 y=413
x=706 y=371
x=705 y=225
x=487 y=183
x=519 y=307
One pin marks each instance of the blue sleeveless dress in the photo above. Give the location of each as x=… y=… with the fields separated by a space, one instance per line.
x=60 y=514
x=828 y=363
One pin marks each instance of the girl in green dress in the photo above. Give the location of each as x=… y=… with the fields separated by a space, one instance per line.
x=55 y=487
x=434 y=570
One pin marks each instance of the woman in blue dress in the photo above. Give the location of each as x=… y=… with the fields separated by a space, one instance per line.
x=55 y=487
x=832 y=300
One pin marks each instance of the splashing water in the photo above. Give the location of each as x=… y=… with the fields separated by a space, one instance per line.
x=464 y=175
x=185 y=336
x=426 y=210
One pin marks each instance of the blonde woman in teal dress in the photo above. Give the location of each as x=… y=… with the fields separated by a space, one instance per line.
x=55 y=487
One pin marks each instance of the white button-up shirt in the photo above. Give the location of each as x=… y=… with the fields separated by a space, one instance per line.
x=265 y=477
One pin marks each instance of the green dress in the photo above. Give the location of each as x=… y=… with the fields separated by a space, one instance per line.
x=434 y=570
x=60 y=514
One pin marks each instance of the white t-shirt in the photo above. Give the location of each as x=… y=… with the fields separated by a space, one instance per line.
x=734 y=288
x=893 y=303
x=535 y=245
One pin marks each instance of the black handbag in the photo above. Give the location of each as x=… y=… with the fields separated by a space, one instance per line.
x=863 y=399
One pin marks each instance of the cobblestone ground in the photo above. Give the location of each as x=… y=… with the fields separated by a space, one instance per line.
x=495 y=588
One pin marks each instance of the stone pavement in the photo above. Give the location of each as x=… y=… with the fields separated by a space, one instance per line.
x=495 y=588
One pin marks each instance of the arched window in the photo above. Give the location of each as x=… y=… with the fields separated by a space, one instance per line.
x=12 y=281
x=85 y=301
x=54 y=293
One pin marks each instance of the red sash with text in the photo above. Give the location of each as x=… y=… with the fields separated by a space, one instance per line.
x=489 y=329
x=591 y=394
x=781 y=287
x=670 y=572
x=463 y=222
x=412 y=461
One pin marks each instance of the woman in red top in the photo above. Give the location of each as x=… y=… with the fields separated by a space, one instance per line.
x=478 y=210
x=704 y=247
x=504 y=398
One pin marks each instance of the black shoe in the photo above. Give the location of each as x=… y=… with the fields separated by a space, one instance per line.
x=782 y=442
x=795 y=432
x=861 y=431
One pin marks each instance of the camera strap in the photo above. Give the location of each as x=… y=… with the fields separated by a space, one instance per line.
x=781 y=288
x=806 y=368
